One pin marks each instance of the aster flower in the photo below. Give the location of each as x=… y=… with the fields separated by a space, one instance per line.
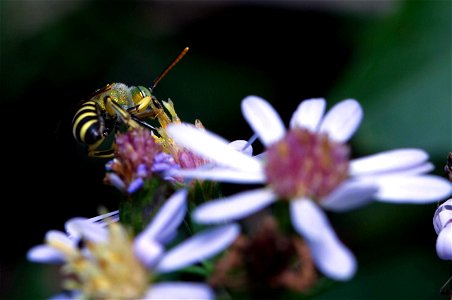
x=110 y=264
x=140 y=156
x=135 y=160
x=442 y=222
x=309 y=166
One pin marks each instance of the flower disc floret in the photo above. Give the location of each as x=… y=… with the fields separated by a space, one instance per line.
x=306 y=164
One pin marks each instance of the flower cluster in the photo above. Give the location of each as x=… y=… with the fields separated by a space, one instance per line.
x=191 y=241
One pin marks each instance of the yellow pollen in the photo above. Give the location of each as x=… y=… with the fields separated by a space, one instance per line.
x=283 y=149
x=110 y=271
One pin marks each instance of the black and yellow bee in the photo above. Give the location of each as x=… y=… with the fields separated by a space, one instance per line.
x=114 y=106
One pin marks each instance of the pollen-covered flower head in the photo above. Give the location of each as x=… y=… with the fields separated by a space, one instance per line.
x=137 y=153
x=106 y=262
x=310 y=167
x=306 y=164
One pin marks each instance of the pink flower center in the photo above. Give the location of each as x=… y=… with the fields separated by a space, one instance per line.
x=306 y=164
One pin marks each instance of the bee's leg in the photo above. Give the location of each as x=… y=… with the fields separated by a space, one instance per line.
x=110 y=153
x=150 y=107
x=154 y=110
x=123 y=114
x=142 y=123
x=142 y=105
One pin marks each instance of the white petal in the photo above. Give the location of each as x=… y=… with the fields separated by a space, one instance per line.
x=233 y=207
x=330 y=256
x=308 y=219
x=242 y=146
x=342 y=120
x=423 y=168
x=105 y=219
x=308 y=114
x=199 y=247
x=102 y=220
x=263 y=119
x=72 y=232
x=333 y=258
x=55 y=236
x=167 y=219
x=220 y=174
x=350 y=195
x=444 y=243
x=91 y=231
x=388 y=161
x=443 y=215
x=180 y=290
x=45 y=254
x=413 y=189
x=212 y=146
x=148 y=251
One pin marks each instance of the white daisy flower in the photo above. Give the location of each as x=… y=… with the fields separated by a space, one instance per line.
x=442 y=222
x=109 y=264
x=310 y=167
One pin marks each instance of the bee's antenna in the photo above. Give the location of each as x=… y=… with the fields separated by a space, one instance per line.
x=175 y=61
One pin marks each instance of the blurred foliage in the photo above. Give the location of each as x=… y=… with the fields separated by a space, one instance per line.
x=395 y=61
x=401 y=71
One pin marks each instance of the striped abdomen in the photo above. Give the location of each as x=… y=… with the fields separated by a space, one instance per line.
x=87 y=124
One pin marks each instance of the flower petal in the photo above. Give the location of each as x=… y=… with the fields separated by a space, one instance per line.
x=342 y=120
x=220 y=174
x=102 y=220
x=233 y=207
x=263 y=119
x=308 y=114
x=81 y=227
x=180 y=290
x=213 y=147
x=308 y=219
x=199 y=247
x=148 y=251
x=330 y=256
x=333 y=258
x=45 y=254
x=105 y=219
x=412 y=189
x=443 y=215
x=55 y=236
x=388 y=161
x=168 y=218
x=444 y=243
x=242 y=146
x=350 y=195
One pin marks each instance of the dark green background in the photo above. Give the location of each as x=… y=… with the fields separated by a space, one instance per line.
x=394 y=57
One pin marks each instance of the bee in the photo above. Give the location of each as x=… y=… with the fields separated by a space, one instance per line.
x=117 y=107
